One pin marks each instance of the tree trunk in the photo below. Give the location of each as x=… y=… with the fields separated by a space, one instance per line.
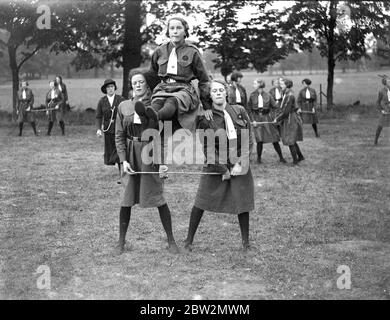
x=331 y=53
x=131 y=52
x=15 y=77
x=68 y=71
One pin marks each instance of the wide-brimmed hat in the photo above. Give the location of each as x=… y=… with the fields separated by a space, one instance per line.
x=106 y=83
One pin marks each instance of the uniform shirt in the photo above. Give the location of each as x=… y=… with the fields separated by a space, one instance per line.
x=104 y=112
x=287 y=105
x=111 y=99
x=189 y=67
x=304 y=103
x=237 y=95
x=383 y=102
x=25 y=98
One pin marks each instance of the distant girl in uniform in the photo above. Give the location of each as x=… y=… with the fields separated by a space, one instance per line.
x=25 y=104
x=105 y=121
x=237 y=93
x=383 y=104
x=260 y=107
x=143 y=189
x=54 y=100
x=177 y=63
x=307 y=102
x=291 y=122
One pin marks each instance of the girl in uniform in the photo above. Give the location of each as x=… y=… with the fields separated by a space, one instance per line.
x=237 y=93
x=25 y=103
x=291 y=122
x=383 y=104
x=105 y=122
x=260 y=107
x=54 y=100
x=143 y=189
x=232 y=190
x=307 y=102
x=177 y=63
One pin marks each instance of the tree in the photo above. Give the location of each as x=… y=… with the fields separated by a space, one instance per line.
x=318 y=23
x=224 y=37
x=18 y=20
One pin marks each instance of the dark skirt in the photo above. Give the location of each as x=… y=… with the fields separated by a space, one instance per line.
x=143 y=189
x=25 y=116
x=291 y=129
x=265 y=133
x=55 y=115
x=187 y=98
x=310 y=118
x=232 y=196
x=384 y=120
x=110 y=154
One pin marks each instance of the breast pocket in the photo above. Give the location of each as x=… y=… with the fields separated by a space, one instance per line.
x=162 y=65
x=185 y=64
x=240 y=121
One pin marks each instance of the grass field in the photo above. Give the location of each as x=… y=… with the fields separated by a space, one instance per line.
x=60 y=204
x=85 y=93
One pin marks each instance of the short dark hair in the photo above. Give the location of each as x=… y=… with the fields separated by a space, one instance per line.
x=236 y=75
x=384 y=81
x=307 y=81
x=183 y=22
x=288 y=83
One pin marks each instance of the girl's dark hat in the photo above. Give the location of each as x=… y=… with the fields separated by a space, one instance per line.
x=106 y=83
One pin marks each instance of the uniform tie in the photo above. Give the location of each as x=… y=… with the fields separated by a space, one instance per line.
x=277 y=94
x=59 y=87
x=230 y=130
x=53 y=94
x=307 y=94
x=24 y=96
x=238 y=96
x=388 y=95
x=260 y=102
x=172 y=62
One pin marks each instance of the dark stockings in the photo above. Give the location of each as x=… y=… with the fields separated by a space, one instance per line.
x=62 y=125
x=377 y=134
x=277 y=148
x=314 y=125
x=165 y=216
x=243 y=219
x=51 y=123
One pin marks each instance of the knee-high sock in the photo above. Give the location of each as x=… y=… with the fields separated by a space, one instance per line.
x=51 y=123
x=293 y=153
x=196 y=216
x=377 y=134
x=166 y=220
x=62 y=125
x=243 y=219
x=168 y=110
x=124 y=219
x=259 y=147
x=20 y=128
x=34 y=127
x=278 y=150
x=299 y=154
x=314 y=125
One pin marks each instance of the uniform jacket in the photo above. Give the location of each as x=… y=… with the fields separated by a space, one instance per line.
x=64 y=91
x=273 y=94
x=287 y=106
x=232 y=99
x=104 y=113
x=383 y=102
x=268 y=103
x=190 y=67
x=58 y=100
x=23 y=104
x=307 y=104
x=241 y=121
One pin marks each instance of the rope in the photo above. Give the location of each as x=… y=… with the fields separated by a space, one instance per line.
x=41 y=110
x=264 y=122
x=111 y=120
x=178 y=172
x=307 y=112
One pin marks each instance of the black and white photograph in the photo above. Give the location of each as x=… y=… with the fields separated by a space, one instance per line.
x=194 y=151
